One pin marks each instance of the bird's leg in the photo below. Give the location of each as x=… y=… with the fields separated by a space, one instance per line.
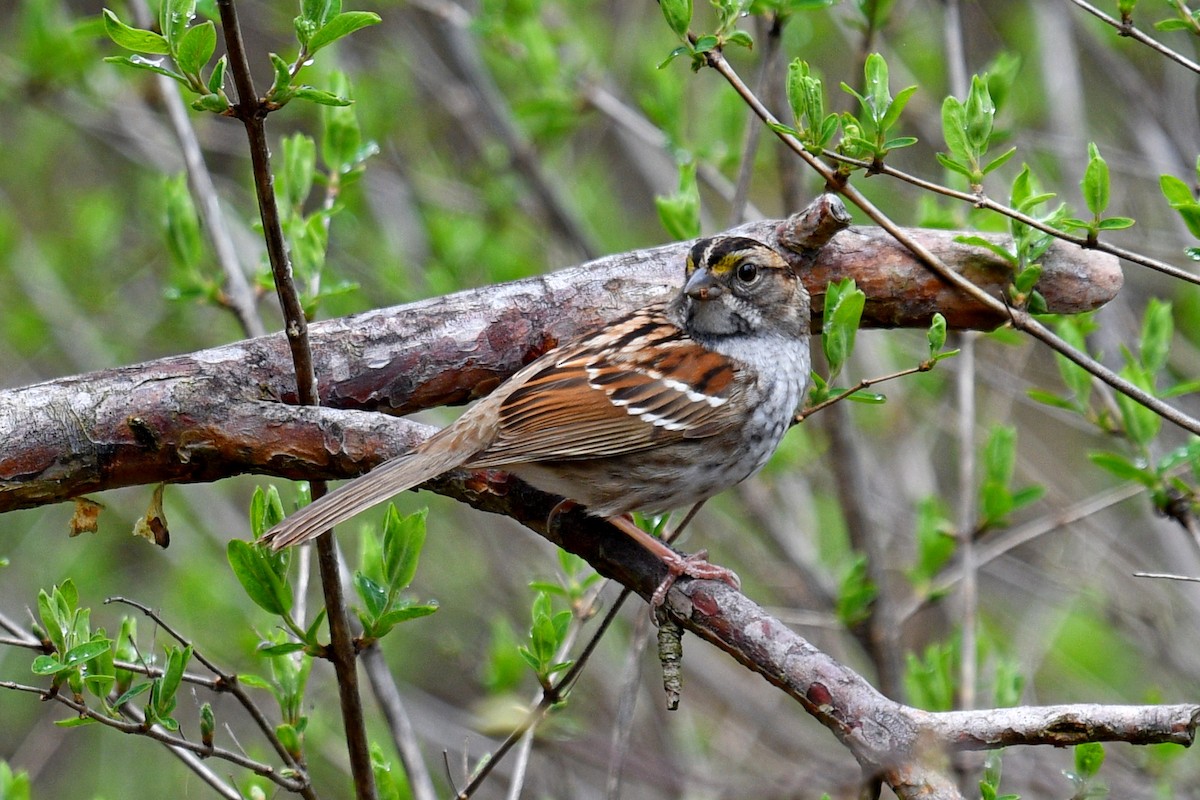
x=694 y=566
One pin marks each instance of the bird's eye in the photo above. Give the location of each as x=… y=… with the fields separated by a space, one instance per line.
x=747 y=272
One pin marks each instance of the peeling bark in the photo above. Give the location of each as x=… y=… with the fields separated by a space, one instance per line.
x=224 y=411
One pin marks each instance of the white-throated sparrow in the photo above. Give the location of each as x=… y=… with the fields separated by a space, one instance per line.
x=659 y=410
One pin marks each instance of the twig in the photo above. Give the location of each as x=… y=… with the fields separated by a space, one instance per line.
x=226 y=682
x=1133 y=32
x=548 y=699
x=1166 y=576
x=1009 y=540
x=980 y=200
x=622 y=723
x=862 y=385
x=239 y=297
x=964 y=378
x=464 y=51
x=252 y=112
x=633 y=122
x=404 y=737
x=160 y=735
x=187 y=758
x=1020 y=319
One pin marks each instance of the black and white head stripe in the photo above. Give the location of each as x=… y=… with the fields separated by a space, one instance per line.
x=723 y=253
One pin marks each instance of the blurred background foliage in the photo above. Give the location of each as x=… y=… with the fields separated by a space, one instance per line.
x=517 y=137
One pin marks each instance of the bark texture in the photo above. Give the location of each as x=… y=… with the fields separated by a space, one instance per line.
x=225 y=411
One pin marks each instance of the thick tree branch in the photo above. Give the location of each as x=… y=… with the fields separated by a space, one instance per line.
x=221 y=412
x=225 y=411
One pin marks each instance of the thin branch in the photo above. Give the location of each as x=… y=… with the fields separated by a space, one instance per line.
x=238 y=297
x=1012 y=538
x=404 y=736
x=1133 y=32
x=980 y=200
x=464 y=50
x=862 y=385
x=547 y=699
x=1166 y=576
x=226 y=682
x=252 y=112
x=1020 y=319
x=188 y=758
x=160 y=735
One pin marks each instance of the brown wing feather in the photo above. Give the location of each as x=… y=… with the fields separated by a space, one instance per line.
x=594 y=401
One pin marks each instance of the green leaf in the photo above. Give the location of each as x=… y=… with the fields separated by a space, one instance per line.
x=1123 y=468
x=286 y=648
x=897 y=108
x=373 y=595
x=85 y=652
x=1176 y=191
x=678 y=14
x=319 y=96
x=1050 y=399
x=339 y=26
x=1027 y=495
x=318 y=12
x=48 y=665
x=878 y=98
x=867 y=398
x=1115 y=223
x=953 y=165
x=999 y=160
x=680 y=212
x=1000 y=454
x=674 y=54
x=196 y=47
x=954 y=124
x=937 y=334
x=1172 y=25
x=177 y=661
x=403 y=538
x=988 y=244
x=980 y=114
x=1095 y=181
x=844 y=303
x=899 y=142
x=1141 y=424
x=281 y=90
x=856 y=593
x=257 y=574
x=299 y=166
x=1158 y=328
x=174 y=17
x=74 y=722
x=148 y=64
x=216 y=80
x=1088 y=759
x=140 y=689
x=741 y=39
x=406 y=613
x=215 y=103
x=135 y=39
x=341 y=137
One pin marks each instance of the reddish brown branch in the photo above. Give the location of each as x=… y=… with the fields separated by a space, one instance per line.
x=218 y=412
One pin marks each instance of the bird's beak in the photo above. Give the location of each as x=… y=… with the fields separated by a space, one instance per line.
x=701 y=285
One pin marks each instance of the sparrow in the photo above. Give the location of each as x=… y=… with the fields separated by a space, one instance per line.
x=658 y=410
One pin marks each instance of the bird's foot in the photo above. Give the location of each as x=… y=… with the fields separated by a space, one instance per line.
x=696 y=566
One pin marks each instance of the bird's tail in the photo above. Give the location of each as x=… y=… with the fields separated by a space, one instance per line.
x=387 y=480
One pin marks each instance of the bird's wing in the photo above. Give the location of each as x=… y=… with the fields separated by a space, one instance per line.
x=634 y=385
